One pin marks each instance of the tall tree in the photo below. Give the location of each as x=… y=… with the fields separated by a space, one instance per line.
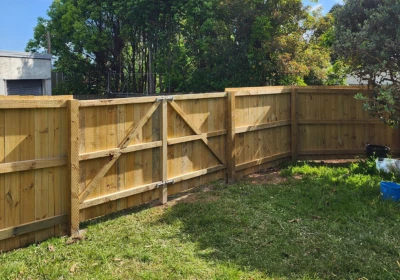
x=200 y=45
x=368 y=38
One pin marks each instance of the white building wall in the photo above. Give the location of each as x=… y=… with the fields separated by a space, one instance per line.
x=24 y=66
x=355 y=80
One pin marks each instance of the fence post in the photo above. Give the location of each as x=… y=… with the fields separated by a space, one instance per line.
x=230 y=147
x=293 y=127
x=164 y=151
x=73 y=166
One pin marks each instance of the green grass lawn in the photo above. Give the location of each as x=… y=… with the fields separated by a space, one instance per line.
x=307 y=222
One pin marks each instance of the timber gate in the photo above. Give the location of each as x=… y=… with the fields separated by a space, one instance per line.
x=131 y=150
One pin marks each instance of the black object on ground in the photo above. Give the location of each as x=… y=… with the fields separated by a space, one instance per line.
x=377 y=151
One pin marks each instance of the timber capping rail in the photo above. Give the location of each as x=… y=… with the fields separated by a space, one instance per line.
x=112 y=154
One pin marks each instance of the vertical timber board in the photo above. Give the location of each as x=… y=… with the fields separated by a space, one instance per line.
x=344 y=109
x=312 y=104
x=188 y=162
x=111 y=177
x=129 y=159
x=147 y=155
x=253 y=142
x=73 y=166
x=217 y=122
x=54 y=144
x=244 y=100
x=27 y=129
x=164 y=151
x=201 y=112
x=300 y=115
x=101 y=187
x=322 y=115
x=88 y=143
x=176 y=128
x=171 y=149
x=155 y=135
x=41 y=183
x=64 y=177
x=138 y=174
x=121 y=163
x=293 y=116
x=231 y=152
x=354 y=114
x=326 y=144
x=12 y=139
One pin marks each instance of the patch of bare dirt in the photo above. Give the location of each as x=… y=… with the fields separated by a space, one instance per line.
x=334 y=161
x=192 y=196
x=262 y=178
x=269 y=176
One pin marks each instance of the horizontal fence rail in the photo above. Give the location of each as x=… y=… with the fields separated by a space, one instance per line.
x=34 y=184
x=64 y=161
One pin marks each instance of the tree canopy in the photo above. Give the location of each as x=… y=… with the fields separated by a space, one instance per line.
x=194 y=45
x=368 y=39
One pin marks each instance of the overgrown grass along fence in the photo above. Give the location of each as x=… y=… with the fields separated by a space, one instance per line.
x=66 y=161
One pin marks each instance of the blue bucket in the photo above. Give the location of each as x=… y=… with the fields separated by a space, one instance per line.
x=390 y=191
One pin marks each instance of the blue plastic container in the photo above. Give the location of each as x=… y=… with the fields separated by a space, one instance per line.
x=390 y=191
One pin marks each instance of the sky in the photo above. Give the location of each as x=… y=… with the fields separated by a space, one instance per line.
x=19 y=17
x=325 y=4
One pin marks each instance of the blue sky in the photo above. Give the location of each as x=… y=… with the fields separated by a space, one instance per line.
x=326 y=4
x=19 y=17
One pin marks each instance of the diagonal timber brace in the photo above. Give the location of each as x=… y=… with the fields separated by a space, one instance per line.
x=195 y=129
x=133 y=132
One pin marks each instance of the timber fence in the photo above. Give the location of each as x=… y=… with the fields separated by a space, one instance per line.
x=64 y=161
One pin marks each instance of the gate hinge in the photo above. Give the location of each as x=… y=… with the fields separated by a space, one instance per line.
x=165 y=183
x=170 y=98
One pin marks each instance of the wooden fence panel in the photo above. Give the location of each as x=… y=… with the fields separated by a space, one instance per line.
x=118 y=173
x=262 y=120
x=34 y=191
x=131 y=151
x=119 y=155
x=196 y=140
x=331 y=123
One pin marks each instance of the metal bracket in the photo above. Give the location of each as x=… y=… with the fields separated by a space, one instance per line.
x=170 y=98
x=165 y=183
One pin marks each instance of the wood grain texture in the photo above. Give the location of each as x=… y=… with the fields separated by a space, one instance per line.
x=33 y=161
x=293 y=127
x=73 y=166
x=331 y=119
x=33 y=164
x=164 y=152
x=231 y=137
x=115 y=153
x=25 y=228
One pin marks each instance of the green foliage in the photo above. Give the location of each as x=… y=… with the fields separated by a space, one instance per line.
x=321 y=38
x=367 y=38
x=337 y=74
x=364 y=167
x=384 y=103
x=200 y=46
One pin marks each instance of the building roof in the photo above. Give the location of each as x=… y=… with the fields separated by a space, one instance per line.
x=25 y=55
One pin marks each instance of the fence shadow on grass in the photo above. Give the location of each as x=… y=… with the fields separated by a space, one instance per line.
x=316 y=226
